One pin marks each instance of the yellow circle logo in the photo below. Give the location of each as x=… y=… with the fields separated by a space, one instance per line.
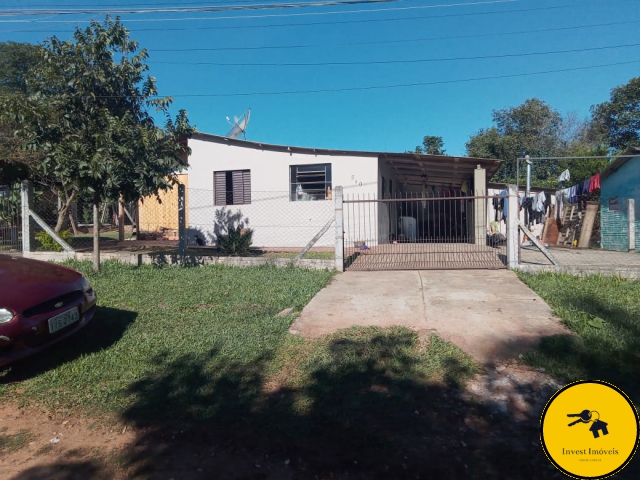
x=589 y=429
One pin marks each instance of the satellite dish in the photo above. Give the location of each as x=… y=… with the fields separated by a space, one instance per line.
x=239 y=125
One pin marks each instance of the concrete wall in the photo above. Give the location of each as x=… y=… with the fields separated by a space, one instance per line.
x=624 y=183
x=277 y=221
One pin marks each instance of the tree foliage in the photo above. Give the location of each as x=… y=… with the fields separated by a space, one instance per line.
x=619 y=118
x=431 y=145
x=538 y=130
x=16 y=59
x=86 y=113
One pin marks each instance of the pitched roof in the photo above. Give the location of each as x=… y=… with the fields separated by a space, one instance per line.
x=409 y=167
x=620 y=161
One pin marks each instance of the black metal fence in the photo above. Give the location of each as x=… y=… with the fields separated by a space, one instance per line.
x=411 y=231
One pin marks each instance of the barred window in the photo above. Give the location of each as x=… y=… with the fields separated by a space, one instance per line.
x=232 y=187
x=310 y=182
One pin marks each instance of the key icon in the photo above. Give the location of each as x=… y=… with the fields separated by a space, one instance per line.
x=584 y=417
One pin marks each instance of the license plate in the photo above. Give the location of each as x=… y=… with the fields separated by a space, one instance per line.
x=66 y=318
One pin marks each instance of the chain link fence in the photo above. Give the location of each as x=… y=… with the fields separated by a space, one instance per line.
x=280 y=222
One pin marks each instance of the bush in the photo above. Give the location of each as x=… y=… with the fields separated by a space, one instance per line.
x=49 y=244
x=236 y=242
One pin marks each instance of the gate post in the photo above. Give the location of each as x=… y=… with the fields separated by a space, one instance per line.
x=26 y=199
x=631 y=218
x=513 y=236
x=339 y=244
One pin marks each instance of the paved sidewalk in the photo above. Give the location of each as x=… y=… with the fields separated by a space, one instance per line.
x=490 y=314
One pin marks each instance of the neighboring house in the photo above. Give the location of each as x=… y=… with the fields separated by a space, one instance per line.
x=619 y=182
x=285 y=193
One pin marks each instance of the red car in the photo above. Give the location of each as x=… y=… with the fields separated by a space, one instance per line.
x=40 y=304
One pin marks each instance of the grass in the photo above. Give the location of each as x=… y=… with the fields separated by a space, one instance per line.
x=185 y=342
x=610 y=352
x=15 y=442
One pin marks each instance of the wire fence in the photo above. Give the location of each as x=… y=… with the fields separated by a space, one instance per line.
x=278 y=220
x=10 y=219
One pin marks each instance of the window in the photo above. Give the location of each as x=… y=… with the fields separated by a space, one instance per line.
x=310 y=182
x=232 y=187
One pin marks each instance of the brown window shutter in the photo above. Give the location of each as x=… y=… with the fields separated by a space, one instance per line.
x=238 y=187
x=219 y=188
x=246 y=180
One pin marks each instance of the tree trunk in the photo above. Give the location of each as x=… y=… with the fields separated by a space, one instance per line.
x=96 y=233
x=64 y=210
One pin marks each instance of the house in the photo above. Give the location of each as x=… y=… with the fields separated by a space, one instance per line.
x=619 y=183
x=285 y=193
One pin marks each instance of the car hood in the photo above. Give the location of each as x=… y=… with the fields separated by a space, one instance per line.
x=25 y=282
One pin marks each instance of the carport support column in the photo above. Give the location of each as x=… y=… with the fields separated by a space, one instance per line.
x=339 y=245
x=512 y=228
x=480 y=206
x=631 y=218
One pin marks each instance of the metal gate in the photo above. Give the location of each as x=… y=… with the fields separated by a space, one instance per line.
x=441 y=231
x=10 y=219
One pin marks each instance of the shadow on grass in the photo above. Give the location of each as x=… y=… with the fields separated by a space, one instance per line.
x=106 y=328
x=362 y=408
x=611 y=353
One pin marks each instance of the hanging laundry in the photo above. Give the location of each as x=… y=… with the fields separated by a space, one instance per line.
x=559 y=205
x=503 y=195
x=564 y=176
x=586 y=186
x=573 y=194
x=541 y=199
x=595 y=183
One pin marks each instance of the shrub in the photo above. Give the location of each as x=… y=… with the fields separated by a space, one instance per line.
x=236 y=242
x=49 y=244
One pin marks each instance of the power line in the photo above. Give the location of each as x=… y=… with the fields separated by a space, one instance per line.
x=388 y=62
x=387 y=42
x=383 y=87
x=212 y=8
x=324 y=23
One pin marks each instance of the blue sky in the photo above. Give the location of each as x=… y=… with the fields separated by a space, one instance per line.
x=385 y=119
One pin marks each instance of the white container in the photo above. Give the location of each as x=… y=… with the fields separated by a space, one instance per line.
x=408 y=228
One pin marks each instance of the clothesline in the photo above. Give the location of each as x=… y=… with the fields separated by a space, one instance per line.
x=573 y=194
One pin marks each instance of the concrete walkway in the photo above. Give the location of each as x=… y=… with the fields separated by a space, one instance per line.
x=490 y=314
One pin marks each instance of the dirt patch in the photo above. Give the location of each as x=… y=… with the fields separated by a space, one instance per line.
x=56 y=443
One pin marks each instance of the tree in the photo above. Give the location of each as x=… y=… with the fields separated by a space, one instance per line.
x=16 y=59
x=533 y=128
x=86 y=113
x=431 y=145
x=619 y=118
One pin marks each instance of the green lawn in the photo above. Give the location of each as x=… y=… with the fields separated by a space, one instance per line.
x=190 y=342
x=607 y=351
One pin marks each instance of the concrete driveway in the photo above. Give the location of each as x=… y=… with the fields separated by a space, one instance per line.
x=490 y=314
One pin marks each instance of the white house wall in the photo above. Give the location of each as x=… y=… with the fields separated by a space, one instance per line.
x=276 y=221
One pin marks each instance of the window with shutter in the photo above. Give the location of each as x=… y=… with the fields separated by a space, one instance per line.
x=232 y=187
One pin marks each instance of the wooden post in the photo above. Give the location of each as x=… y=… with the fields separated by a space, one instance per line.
x=339 y=245
x=631 y=218
x=182 y=217
x=121 y=219
x=26 y=197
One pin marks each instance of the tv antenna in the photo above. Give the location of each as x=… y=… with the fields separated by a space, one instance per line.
x=239 y=125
